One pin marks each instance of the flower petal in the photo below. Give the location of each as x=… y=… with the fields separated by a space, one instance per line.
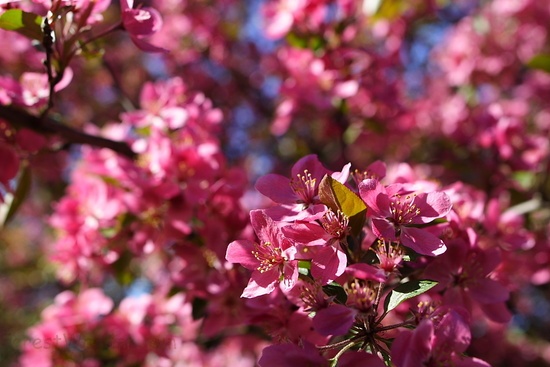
x=240 y=252
x=488 y=291
x=277 y=188
x=411 y=349
x=433 y=205
x=146 y=46
x=307 y=233
x=327 y=264
x=261 y=283
x=311 y=164
x=383 y=229
x=142 y=21
x=422 y=241
x=334 y=320
x=267 y=230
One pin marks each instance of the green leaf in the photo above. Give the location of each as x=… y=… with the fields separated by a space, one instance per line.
x=311 y=42
x=540 y=62
x=338 y=197
x=295 y=41
x=407 y=291
x=122 y=271
x=337 y=291
x=14 y=201
x=525 y=179
x=386 y=356
x=304 y=267
x=25 y=23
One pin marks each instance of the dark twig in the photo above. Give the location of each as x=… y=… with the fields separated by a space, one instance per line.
x=53 y=80
x=20 y=118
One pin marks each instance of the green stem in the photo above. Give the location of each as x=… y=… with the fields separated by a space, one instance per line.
x=394 y=326
x=115 y=27
x=342 y=343
x=340 y=352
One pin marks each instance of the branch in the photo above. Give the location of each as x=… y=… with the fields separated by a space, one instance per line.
x=19 y=118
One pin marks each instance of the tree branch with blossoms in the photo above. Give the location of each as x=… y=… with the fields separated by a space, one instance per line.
x=207 y=248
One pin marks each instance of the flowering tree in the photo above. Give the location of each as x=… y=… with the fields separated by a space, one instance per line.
x=275 y=183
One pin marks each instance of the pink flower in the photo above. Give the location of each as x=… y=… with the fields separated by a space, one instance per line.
x=505 y=227
x=437 y=341
x=396 y=214
x=463 y=273
x=272 y=260
x=32 y=89
x=321 y=244
x=140 y=23
x=87 y=307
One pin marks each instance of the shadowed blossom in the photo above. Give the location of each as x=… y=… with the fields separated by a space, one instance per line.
x=438 y=340
x=463 y=274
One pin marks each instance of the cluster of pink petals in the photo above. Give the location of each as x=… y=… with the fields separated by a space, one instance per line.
x=180 y=167
x=165 y=205
x=298 y=197
x=169 y=199
x=284 y=16
x=90 y=331
x=31 y=90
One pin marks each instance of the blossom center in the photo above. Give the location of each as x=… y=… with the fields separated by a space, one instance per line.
x=359 y=176
x=361 y=294
x=336 y=224
x=268 y=256
x=313 y=297
x=389 y=254
x=303 y=186
x=403 y=210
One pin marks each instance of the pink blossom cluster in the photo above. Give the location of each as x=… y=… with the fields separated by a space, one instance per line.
x=174 y=209
x=404 y=264
x=15 y=145
x=164 y=202
x=282 y=17
x=157 y=329
x=30 y=87
x=341 y=267
x=483 y=96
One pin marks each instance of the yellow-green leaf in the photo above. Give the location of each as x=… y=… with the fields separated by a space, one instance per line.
x=407 y=291
x=337 y=196
x=24 y=182
x=25 y=23
x=541 y=62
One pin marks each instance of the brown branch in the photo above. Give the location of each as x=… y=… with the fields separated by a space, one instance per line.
x=20 y=118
